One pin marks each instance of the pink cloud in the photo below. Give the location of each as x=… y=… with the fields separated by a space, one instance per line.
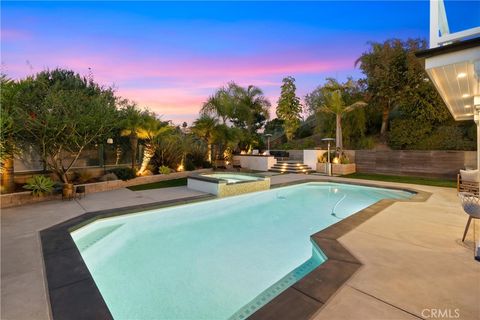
x=177 y=87
x=14 y=35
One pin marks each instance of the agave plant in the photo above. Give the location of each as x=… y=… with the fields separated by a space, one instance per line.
x=40 y=185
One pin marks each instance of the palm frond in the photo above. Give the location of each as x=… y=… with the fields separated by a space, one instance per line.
x=356 y=105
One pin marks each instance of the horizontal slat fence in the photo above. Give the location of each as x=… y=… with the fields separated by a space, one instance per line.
x=442 y=164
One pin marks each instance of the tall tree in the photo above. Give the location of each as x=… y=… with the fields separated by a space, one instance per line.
x=8 y=130
x=289 y=107
x=59 y=113
x=153 y=129
x=244 y=108
x=221 y=103
x=384 y=65
x=133 y=121
x=334 y=103
x=422 y=120
x=251 y=109
x=204 y=128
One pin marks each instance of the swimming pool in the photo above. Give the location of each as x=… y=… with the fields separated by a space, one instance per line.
x=216 y=259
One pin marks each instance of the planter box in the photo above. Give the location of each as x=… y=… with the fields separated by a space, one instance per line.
x=22 y=198
x=337 y=169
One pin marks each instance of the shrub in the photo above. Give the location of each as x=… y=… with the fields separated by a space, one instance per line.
x=40 y=185
x=324 y=157
x=196 y=153
x=413 y=135
x=304 y=131
x=344 y=158
x=82 y=176
x=189 y=165
x=164 y=170
x=446 y=138
x=109 y=177
x=57 y=187
x=405 y=133
x=206 y=164
x=123 y=173
x=365 y=143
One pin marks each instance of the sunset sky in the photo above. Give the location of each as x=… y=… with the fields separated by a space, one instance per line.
x=171 y=56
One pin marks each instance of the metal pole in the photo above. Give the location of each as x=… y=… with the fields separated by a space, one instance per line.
x=329 y=166
x=476 y=118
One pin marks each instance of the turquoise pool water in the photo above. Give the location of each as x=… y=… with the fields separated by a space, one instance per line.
x=216 y=259
x=232 y=177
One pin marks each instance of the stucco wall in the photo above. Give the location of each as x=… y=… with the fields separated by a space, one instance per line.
x=260 y=163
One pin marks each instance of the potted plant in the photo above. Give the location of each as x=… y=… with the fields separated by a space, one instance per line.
x=67 y=190
x=39 y=185
x=341 y=164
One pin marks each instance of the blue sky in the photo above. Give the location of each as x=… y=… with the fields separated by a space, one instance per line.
x=171 y=56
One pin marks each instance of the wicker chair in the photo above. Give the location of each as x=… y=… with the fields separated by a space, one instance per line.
x=467 y=186
x=471 y=206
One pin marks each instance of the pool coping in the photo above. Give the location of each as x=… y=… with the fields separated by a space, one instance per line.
x=203 y=178
x=73 y=294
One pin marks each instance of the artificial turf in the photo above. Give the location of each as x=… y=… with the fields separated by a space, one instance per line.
x=404 y=179
x=367 y=176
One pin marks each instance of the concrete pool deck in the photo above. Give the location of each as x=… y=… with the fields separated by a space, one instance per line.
x=412 y=256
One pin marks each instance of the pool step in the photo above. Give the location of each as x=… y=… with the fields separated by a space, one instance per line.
x=291 y=167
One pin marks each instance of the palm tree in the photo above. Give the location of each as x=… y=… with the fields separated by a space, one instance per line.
x=247 y=109
x=152 y=130
x=226 y=139
x=205 y=128
x=133 y=122
x=253 y=107
x=222 y=103
x=334 y=103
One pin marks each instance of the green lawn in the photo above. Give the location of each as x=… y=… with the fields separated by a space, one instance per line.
x=366 y=176
x=161 y=184
x=414 y=180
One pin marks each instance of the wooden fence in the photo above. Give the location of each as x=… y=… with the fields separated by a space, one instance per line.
x=444 y=164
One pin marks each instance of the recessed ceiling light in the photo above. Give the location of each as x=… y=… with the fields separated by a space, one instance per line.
x=461 y=75
x=468 y=106
x=465 y=95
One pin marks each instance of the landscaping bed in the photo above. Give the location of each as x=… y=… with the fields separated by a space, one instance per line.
x=162 y=184
x=22 y=198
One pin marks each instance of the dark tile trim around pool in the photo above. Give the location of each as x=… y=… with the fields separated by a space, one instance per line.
x=73 y=293
x=71 y=289
x=310 y=294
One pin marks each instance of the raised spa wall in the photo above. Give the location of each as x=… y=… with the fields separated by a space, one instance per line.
x=221 y=188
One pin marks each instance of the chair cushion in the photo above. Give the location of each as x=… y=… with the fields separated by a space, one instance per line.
x=469 y=175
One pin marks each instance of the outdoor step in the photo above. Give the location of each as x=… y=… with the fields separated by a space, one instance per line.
x=291 y=166
x=300 y=166
x=291 y=171
x=289 y=161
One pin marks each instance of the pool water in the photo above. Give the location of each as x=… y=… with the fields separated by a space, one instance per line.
x=215 y=259
x=232 y=177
